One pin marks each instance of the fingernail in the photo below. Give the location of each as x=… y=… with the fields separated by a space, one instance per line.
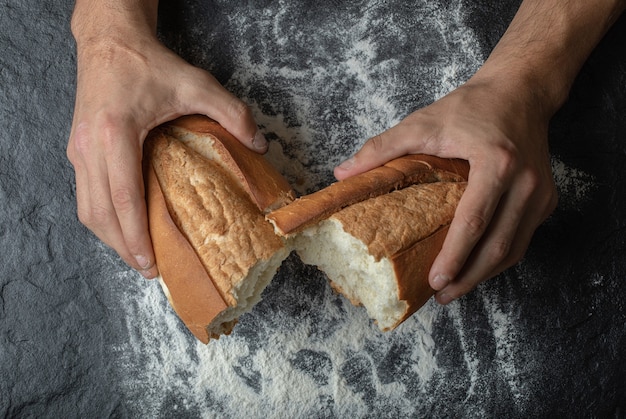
x=259 y=142
x=444 y=298
x=148 y=274
x=347 y=164
x=142 y=261
x=440 y=281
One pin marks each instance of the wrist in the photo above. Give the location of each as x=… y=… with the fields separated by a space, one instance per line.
x=524 y=86
x=544 y=48
x=93 y=21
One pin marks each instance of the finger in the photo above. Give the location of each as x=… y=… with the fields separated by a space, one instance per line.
x=397 y=141
x=94 y=210
x=95 y=207
x=539 y=209
x=520 y=212
x=99 y=214
x=472 y=278
x=474 y=213
x=498 y=248
x=214 y=101
x=128 y=199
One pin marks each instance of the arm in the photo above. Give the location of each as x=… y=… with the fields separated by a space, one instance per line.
x=498 y=121
x=128 y=83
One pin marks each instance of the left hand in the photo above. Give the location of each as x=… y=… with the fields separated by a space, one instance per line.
x=503 y=132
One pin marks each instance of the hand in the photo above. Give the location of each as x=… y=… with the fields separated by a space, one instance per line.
x=510 y=191
x=125 y=87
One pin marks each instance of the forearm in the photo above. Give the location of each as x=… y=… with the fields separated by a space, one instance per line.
x=101 y=19
x=546 y=44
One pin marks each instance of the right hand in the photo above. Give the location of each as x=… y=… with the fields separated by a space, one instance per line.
x=125 y=87
x=500 y=128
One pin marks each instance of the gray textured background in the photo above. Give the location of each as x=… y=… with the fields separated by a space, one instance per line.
x=83 y=336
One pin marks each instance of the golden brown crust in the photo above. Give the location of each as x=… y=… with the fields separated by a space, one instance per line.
x=393 y=222
x=267 y=188
x=396 y=174
x=412 y=267
x=191 y=292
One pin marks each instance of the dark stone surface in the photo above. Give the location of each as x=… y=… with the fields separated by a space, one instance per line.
x=81 y=335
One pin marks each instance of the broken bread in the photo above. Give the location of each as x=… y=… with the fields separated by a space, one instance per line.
x=378 y=252
x=206 y=196
x=376 y=235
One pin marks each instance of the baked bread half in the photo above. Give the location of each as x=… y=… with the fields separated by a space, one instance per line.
x=206 y=195
x=376 y=235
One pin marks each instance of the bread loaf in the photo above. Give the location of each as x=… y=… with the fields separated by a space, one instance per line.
x=378 y=252
x=214 y=250
x=376 y=235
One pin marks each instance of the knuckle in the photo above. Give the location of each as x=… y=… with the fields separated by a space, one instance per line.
x=376 y=143
x=502 y=162
x=475 y=224
x=94 y=217
x=499 y=251
x=78 y=146
x=109 y=129
x=124 y=200
x=541 y=190
x=530 y=187
x=532 y=180
x=506 y=162
x=239 y=110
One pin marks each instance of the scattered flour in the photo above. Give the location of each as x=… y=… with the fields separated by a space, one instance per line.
x=329 y=108
x=507 y=342
x=239 y=376
x=163 y=360
x=573 y=185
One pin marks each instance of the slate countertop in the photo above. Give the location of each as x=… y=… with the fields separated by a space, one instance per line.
x=81 y=335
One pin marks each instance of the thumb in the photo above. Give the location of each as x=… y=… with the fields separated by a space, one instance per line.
x=378 y=150
x=232 y=113
x=237 y=119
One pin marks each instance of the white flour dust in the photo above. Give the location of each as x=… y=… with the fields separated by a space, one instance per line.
x=279 y=362
x=330 y=106
x=507 y=341
x=215 y=380
x=573 y=185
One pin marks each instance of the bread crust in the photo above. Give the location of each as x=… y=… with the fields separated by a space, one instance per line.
x=412 y=267
x=393 y=175
x=267 y=188
x=190 y=290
